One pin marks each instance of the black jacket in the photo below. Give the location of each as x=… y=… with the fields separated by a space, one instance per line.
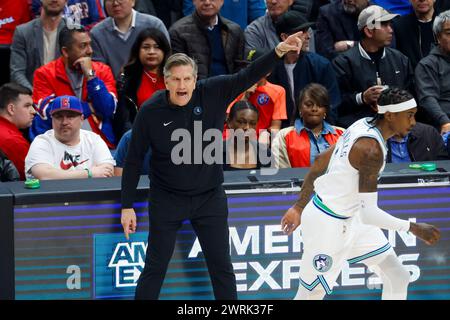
x=8 y=171
x=407 y=35
x=188 y=36
x=334 y=25
x=432 y=78
x=356 y=73
x=424 y=144
x=126 y=110
x=157 y=126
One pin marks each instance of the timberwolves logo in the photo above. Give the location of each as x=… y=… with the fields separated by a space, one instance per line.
x=322 y=262
x=198 y=110
x=262 y=99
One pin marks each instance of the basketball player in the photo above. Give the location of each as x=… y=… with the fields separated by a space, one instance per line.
x=343 y=221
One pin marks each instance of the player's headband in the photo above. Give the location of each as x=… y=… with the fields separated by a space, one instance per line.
x=399 y=107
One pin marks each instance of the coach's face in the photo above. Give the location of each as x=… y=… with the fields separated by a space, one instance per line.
x=181 y=84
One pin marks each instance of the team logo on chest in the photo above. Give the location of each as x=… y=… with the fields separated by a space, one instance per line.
x=322 y=262
x=262 y=99
x=197 y=110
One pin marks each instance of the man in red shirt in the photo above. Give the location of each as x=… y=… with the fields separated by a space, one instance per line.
x=16 y=112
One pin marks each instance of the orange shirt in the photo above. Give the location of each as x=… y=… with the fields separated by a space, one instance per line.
x=150 y=83
x=270 y=100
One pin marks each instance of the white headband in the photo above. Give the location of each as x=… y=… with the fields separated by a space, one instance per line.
x=399 y=107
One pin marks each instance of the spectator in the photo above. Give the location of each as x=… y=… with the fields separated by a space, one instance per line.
x=401 y=7
x=113 y=38
x=310 y=8
x=12 y=14
x=8 y=172
x=242 y=12
x=311 y=134
x=142 y=76
x=16 y=113
x=337 y=29
x=67 y=151
x=35 y=43
x=121 y=154
x=246 y=154
x=85 y=12
x=261 y=33
x=169 y=11
x=441 y=5
x=432 y=76
x=75 y=74
x=268 y=98
x=422 y=143
x=213 y=41
x=414 y=32
x=366 y=69
x=298 y=70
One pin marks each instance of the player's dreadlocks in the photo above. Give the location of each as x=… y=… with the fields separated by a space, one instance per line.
x=391 y=95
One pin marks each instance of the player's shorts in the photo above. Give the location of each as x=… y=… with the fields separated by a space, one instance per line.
x=330 y=240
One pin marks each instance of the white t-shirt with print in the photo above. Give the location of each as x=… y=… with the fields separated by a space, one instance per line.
x=45 y=148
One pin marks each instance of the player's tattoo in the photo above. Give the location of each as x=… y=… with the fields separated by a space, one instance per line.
x=367 y=157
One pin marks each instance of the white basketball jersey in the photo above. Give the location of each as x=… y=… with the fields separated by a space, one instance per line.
x=339 y=186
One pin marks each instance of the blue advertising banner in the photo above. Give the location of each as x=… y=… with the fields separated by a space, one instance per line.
x=78 y=251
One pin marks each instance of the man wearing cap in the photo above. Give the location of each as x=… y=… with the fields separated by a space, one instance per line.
x=67 y=151
x=75 y=74
x=368 y=68
x=342 y=222
x=298 y=70
x=337 y=29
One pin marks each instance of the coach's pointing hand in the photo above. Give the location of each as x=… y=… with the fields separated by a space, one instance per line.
x=128 y=221
x=293 y=43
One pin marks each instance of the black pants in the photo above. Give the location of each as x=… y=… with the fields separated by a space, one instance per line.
x=208 y=214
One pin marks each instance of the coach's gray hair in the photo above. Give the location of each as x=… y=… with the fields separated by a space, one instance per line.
x=179 y=59
x=439 y=22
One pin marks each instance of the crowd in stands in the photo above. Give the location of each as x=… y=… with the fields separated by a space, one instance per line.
x=75 y=73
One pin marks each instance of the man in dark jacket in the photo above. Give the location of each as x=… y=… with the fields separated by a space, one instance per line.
x=8 y=171
x=432 y=76
x=337 y=29
x=414 y=32
x=366 y=69
x=187 y=188
x=422 y=143
x=213 y=41
x=296 y=71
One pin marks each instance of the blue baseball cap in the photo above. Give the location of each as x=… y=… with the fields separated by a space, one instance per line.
x=66 y=103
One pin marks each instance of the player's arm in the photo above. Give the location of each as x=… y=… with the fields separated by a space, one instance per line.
x=367 y=157
x=292 y=218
